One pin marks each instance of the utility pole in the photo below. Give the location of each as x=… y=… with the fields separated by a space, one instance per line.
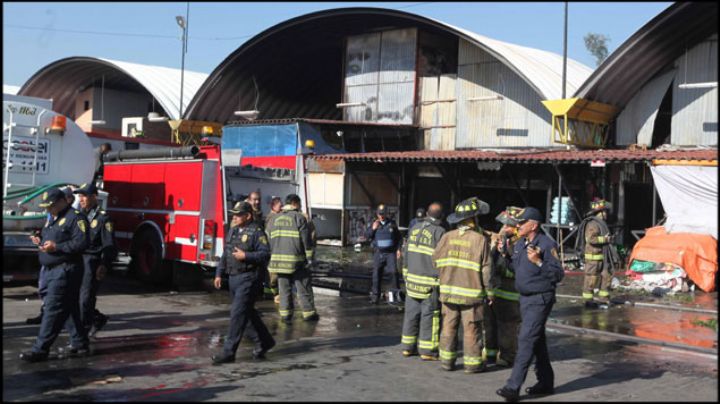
x=564 y=73
x=183 y=23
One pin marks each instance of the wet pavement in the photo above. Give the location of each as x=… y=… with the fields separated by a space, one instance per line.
x=158 y=343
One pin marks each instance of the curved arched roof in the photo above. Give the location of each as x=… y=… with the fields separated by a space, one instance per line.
x=64 y=78
x=651 y=49
x=313 y=36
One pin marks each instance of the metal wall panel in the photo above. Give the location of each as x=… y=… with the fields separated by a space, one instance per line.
x=438 y=111
x=517 y=120
x=636 y=122
x=695 y=110
x=380 y=73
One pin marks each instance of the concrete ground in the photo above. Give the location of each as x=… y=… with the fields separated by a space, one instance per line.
x=157 y=347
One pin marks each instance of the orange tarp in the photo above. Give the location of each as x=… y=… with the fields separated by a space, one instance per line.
x=695 y=253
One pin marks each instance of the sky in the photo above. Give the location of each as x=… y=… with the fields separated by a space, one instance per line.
x=36 y=33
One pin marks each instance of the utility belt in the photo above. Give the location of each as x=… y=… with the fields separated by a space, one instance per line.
x=74 y=260
x=246 y=269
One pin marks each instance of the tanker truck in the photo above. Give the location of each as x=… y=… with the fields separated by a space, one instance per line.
x=41 y=150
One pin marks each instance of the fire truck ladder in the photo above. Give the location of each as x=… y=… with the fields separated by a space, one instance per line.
x=35 y=130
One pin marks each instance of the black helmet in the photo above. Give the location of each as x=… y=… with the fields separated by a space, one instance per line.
x=468 y=208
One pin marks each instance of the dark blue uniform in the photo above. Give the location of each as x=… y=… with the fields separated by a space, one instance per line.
x=245 y=286
x=101 y=251
x=385 y=241
x=536 y=285
x=64 y=269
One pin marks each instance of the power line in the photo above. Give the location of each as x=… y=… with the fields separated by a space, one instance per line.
x=125 y=34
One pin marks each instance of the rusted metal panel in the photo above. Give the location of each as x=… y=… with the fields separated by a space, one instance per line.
x=695 y=110
x=324 y=166
x=496 y=107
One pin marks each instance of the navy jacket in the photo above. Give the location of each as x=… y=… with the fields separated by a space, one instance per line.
x=386 y=238
x=253 y=241
x=529 y=278
x=69 y=231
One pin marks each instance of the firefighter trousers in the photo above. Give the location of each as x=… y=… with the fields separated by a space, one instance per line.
x=302 y=280
x=502 y=325
x=422 y=318
x=472 y=319
x=596 y=275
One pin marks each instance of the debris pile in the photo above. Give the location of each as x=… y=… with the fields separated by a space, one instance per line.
x=658 y=278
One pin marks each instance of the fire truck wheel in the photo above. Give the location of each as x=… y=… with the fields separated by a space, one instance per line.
x=147 y=257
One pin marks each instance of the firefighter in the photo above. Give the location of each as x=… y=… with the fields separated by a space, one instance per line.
x=502 y=318
x=385 y=238
x=60 y=246
x=98 y=257
x=271 y=287
x=245 y=253
x=462 y=258
x=537 y=270
x=419 y=215
x=422 y=308
x=599 y=254
x=291 y=257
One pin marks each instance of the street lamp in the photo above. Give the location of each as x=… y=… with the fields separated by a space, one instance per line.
x=182 y=22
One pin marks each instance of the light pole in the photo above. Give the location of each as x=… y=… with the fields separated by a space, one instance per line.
x=564 y=70
x=183 y=23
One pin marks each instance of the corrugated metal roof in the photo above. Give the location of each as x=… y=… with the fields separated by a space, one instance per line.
x=318 y=121
x=62 y=79
x=649 y=50
x=318 y=39
x=528 y=156
x=542 y=70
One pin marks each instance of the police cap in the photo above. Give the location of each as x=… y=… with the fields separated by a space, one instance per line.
x=241 y=207
x=87 y=189
x=51 y=196
x=530 y=213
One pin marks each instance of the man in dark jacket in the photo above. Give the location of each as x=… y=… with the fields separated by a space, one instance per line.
x=60 y=247
x=537 y=270
x=385 y=238
x=245 y=253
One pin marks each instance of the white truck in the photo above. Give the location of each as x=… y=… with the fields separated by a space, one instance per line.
x=41 y=149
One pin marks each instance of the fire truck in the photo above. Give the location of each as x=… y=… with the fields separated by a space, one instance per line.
x=168 y=205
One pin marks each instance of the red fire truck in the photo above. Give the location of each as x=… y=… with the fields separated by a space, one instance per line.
x=168 y=206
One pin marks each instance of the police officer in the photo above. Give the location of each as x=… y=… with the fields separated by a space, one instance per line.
x=60 y=247
x=419 y=215
x=422 y=307
x=98 y=257
x=462 y=258
x=291 y=246
x=245 y=254
x=599 y=254
x=502 y=318
x=386 y=238
x=537 y=271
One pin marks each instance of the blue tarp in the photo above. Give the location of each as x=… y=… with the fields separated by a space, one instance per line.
x=261 y=140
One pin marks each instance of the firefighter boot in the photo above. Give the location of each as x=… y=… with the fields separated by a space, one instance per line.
x=448 y=365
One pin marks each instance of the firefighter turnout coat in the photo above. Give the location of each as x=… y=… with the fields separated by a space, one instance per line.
x=463 y=260
x=418 y=269
x=290 y=241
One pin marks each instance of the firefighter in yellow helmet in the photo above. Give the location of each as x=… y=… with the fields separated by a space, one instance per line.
x=598 y=252
x=502 y=318
x=462 y=258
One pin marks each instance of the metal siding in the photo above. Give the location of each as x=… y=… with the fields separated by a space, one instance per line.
x=695 y=111
x=518 y=120
x=636 y=122
x=380 y=72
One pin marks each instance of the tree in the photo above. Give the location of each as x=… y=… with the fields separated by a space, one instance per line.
x=596 y=45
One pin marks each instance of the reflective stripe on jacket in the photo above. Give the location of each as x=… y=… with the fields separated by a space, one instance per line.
x=418 y=270
x=290 y=241
x=462 y=258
